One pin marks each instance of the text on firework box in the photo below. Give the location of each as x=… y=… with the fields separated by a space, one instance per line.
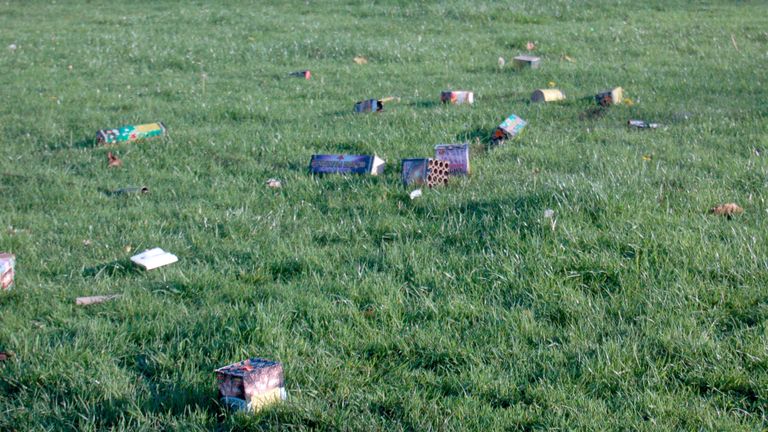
x=130 y=133
x=346 y=164
x=256 y=381
x=7 y=263
x=509 y=128
x=457 y=156
x=457 y=97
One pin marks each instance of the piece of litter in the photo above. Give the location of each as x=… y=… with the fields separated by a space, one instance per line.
x=7 y=271
x=549 y=213
x=306 y=74
x=346 y=164
x=274 y=183
x=640 y=124
x=727 y=210
x=457 y=156
x=415 y=194
x=361 y=60
x=130 y=133
x=524 y=60
x=12 y=47
x=547 y=95
x=153 y=258
x=502 y=62
x=457 y=97
x=431 y=172
x=508 y=129
x=256 y=382
x=87 y=301
x=5 y=355
x=530 y=46
x=114 y=161
x=131 y=190
x=610 y=97
x=568 y=59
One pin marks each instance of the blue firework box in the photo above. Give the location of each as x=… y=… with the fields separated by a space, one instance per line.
x=369 y=105
x=509 y=128
x=346 y=164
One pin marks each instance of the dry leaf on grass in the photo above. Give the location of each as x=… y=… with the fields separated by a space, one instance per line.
x=274 y=183
x=530 y=46
x=361 y=60
x=5 y=355
x=113 y=160
x=727 y=210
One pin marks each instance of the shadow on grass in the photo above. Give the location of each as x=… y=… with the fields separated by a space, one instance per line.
x=426 y=104
x=84 y=143
x=114 y=268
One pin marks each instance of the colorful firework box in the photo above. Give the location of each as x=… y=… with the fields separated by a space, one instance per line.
x=370 y=105
x=306 y=74
x=610 y=97
x=457 y=97
x=431 y=172
x=346 y=164
x=257 y=382
x=7 y=263
x=457 y=156
x=509 y=128
x=526 y=60
x=130 y=133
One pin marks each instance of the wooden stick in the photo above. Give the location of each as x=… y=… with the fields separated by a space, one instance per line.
x=87 y=301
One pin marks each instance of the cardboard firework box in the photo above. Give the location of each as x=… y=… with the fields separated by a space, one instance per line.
x=370 y=105
x=526 y=60
x=457 y=97
x=457 y=156
x=346 y=164
x=547 y=95
x=306 y=74
x=7 y=263
x=610 y=97
x=257 y=382
x=130 y=133
x=508 y=129
x=431 y=172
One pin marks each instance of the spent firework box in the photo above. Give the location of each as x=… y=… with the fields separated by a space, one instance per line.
x=306 y=74
x=370 y=105
x=509 y=128
x=256 y=381
x=457 y=97
x=457 y=156
x=526 y=60
x=130 y=133
x=7 y=263
x=610 y=97
x=431 y=172
x=346 y=164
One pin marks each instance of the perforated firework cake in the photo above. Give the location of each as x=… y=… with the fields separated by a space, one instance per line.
x=256 y=381
x=431 y=172
x=457 y=156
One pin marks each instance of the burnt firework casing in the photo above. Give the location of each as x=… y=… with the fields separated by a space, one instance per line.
x=547 y=95
x=522 y=61
x=7 y=271
x=508 y=129
x=610 y=97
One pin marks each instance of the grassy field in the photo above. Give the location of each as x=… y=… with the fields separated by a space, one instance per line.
x=466 y=309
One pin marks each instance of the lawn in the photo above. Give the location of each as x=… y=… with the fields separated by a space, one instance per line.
x=631 y=308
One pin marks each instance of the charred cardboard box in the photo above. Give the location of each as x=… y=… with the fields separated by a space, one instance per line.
x=457 y=97
x=368 y=106
x=610 y=97
x=457 y=156
x=346 y=164
x=425 y=171
x=508 y=129
x=7 y=264
x=254 y=383
x=130 y=133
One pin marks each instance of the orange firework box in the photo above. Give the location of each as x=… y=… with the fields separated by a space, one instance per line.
x=7 y=262
x=255 y=383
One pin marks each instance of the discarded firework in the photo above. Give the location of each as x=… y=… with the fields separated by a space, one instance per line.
x=91 y=300
x=508 y=129
x=727 y=210
x=251 y=384
x=372 y=105
x=130 y=190
x=640 y=124
x=457 y=97
x=610 y=97
x=526 y=60
x=547 y=95
x=7 y=272
x=274 y=183
x=130 y=133
x=306 y=74
x=457 y=156
x=431 y=172
x=346 y=164
x=151 y=259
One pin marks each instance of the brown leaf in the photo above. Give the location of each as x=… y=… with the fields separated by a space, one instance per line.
x=568 y=59
x=5 y=355
x=113 y=160
x=727 y=210
x=530 y=46
x=361 y=60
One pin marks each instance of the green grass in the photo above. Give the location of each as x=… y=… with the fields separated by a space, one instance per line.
x=461 y=310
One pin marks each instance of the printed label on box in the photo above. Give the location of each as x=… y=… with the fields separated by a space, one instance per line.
x=457 y=156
